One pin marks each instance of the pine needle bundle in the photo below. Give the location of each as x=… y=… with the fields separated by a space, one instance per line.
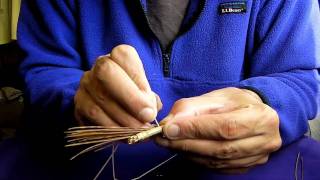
x=100 y=137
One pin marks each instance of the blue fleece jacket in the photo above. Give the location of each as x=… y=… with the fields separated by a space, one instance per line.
x=272 y=47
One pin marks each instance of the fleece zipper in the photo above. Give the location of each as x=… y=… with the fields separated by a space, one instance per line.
x=166 y=52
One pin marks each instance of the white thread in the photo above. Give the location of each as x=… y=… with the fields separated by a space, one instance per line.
x=106 y=163
x=87 y=149
x=157 y=123
x=152 y=169
x=102 y=148
x=111 y=157
x=113 y=168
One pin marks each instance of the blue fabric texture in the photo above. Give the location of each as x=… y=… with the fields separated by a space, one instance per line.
x=273 y=49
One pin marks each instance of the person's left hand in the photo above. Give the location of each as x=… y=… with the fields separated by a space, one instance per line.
x=228 y=129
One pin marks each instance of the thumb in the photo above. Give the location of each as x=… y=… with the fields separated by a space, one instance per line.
x=155 y=101
x=188 y=123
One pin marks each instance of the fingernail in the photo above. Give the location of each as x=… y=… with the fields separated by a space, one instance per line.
x=172 y=131
x=146 y=114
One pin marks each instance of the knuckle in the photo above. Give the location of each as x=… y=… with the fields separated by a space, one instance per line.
x=263 y=160
x=122 y=50
x=271 y=117
x=181 y=102
x=79 y=97
x=135 y=102
x=194 y=129
x=134 y=75
x=234 y=89
x=101 y=97
x=226 y=151
x=101 y=68
x=228 y=128
x=214 y=153
x=274 y=116
x=93 y=111
x=84 y=79
x=274 y=145
x=76 y=97
x=183 y=146
x=100 y=60
x=277 y=143
x=184 y=104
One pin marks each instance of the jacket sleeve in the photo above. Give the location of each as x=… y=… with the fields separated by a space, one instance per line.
x=52 y=65
x=284 y=60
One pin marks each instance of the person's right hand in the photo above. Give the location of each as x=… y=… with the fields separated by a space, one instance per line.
x=116 y=92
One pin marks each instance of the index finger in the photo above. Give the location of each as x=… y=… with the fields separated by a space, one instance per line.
x=238 y=124
x=128 y=59
x=110 y=81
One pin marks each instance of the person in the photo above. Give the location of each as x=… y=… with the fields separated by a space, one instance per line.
x=233 y=81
